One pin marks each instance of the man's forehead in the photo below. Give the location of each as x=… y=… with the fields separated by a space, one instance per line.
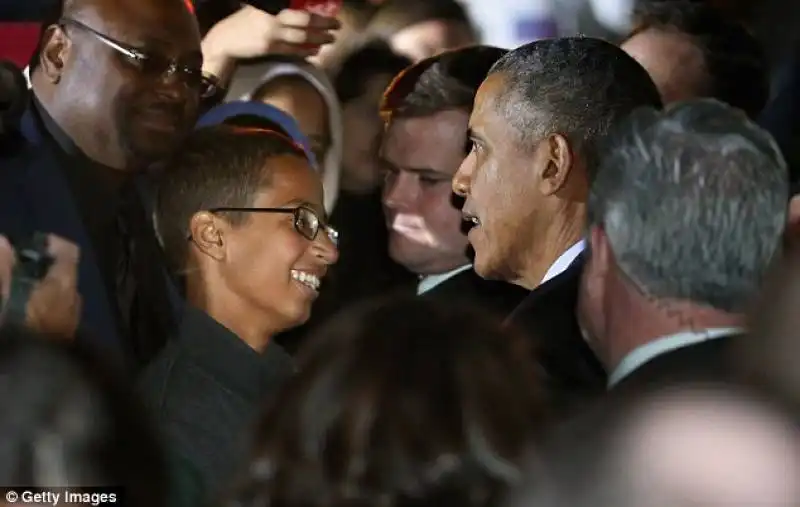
x=427 y=130
x=486 y=99
x=435 y=142
x=164 y=21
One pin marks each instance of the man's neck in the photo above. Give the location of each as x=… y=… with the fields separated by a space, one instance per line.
x=235 y=317
x=93 y=151
x=632 y=326
x=564 y=233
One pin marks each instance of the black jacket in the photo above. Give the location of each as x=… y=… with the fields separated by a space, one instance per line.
x=206 y=388
x=548 y=316
x=709 y=360
x=497 y=298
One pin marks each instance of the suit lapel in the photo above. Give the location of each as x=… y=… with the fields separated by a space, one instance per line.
x=54 y=211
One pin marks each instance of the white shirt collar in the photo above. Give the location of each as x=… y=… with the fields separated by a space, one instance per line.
x=429 y=282
x=644 y=353
x=564 y=261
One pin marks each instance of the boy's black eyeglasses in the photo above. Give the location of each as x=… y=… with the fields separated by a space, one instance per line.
x=151 y=64
x=306 y=221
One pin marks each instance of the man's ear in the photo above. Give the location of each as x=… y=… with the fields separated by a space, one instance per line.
x=56 y=47
x=599 y=248
x=557 y=157
x=792 y=231
x=207 y=234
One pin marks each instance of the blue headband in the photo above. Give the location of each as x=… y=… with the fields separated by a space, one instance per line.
x=224 y=111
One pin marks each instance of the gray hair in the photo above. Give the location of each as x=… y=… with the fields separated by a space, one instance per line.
x=575 y=86
x=693 y=201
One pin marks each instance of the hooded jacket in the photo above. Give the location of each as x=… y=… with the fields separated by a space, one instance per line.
x=250 y=77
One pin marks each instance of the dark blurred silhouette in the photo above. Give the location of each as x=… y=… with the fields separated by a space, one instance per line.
x=67 y=422
x=769 y=359
x=403 y=403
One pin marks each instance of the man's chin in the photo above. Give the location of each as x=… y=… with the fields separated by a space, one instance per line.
x=407 y=253
x=151 y=149
x=483 y=266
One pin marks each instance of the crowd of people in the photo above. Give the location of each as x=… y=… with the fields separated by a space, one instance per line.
x=302 y=261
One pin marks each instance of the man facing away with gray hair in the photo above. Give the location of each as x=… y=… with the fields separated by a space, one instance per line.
x=685 y=216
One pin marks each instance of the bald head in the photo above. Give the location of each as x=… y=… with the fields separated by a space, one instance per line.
x=105 y=74
x=164 y=20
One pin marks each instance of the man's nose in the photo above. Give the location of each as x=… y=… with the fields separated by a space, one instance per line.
x=463 y=177
x=398 y=192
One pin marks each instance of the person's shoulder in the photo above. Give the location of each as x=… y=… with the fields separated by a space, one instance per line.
x=707 y=360
x=17 y=156
x=469 y=287
x=560 y=292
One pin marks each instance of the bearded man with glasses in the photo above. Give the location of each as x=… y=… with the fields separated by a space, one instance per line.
x=116 y=86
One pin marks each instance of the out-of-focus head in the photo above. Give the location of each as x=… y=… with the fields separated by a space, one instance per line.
x=420 y=29
x=693 y=50
x=303 y=91
x=360 y=81
x=535 y=129
x=685 y=446
x=426 y=110
x=67 y=424
x=399 y=403
x=298 y=98
x=688 y=205
x=711 y=447
x=240 y=212
x=122 y=78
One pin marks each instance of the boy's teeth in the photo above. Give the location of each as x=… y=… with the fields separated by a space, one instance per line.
x=308 y=279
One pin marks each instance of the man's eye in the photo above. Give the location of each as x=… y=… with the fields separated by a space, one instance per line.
x=430 y=181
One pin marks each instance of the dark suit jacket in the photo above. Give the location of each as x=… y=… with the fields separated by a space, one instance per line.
x=498 y=298
x=708 y=360
x=206 y=388
x=35 y=196
x=548 y=316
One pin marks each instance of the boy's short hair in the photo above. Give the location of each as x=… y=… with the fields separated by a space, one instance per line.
x=219 y=166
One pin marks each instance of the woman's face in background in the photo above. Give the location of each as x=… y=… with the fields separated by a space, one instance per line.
x=362 y=129
x=431 y=38
x=299 y=99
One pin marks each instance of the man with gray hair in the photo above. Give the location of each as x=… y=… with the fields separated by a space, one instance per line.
x=685 y=216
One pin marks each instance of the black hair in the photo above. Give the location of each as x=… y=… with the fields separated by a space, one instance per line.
x=734 y=60
x=371 y=59
x=219 y=166
x=575 y=86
